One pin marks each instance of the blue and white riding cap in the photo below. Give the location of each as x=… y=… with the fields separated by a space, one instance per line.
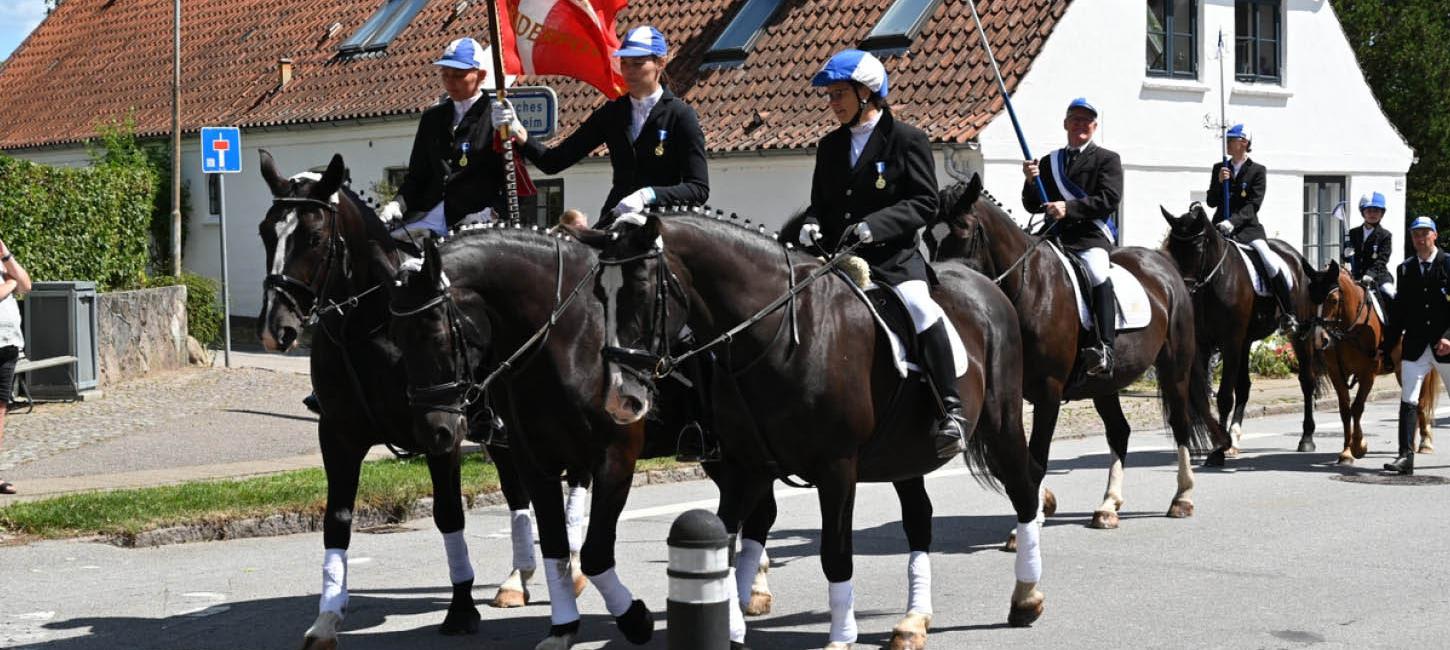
x=462 y=54
x=1084 y=104
x=643 y=41
x=1423 y=223
x=854 y=65
x=1374 y=200
x=1239 y=132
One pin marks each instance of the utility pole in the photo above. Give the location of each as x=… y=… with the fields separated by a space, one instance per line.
x=176 y=139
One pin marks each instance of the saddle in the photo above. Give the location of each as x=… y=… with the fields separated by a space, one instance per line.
x=1258 y=273
x=895 y=324
x=1134 y=310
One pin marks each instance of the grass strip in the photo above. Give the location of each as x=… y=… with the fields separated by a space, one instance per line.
x=390 y=485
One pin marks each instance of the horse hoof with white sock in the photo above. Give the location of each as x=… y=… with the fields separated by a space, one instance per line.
x=514 y=592
x=323 y=633
x=910 y=632
x=1026 y=605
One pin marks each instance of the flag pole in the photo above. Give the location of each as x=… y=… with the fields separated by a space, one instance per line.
x=510 y=161
x=1223 y=122
x=1007 y=99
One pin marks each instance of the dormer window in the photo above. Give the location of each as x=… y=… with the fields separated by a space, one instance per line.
x=900 y=25
x=384 y=26
x=740 y=34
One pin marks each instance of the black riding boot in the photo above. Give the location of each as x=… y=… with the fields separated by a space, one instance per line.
x=936 y=359
x=1409 y=420
x=1285 y=298
x=311 y=403
x=696 y=442
x=1099 y=360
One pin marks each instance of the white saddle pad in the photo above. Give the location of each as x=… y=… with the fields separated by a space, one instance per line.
x=905 y=365
x=1260 y=287
x=1134 y=310
x=1379 y=310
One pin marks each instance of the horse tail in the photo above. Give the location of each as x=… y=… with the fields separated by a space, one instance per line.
x=1202 y=424
x=983 y=464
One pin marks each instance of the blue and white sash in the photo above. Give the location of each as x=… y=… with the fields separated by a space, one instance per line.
x=1069 y=190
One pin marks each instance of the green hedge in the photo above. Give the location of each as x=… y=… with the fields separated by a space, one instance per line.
x=78 y=223
x=203 y=304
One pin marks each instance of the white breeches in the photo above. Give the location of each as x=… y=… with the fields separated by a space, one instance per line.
x=1389 y=290
x=1267 y=256
x=917 y=296
x=1413 y=373
x=1096 y=261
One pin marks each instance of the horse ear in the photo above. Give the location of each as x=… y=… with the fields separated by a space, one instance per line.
x=1308 y=270
x=1333 y=269
x=1168 y=216
x=331 y=179
x=275 y=182
x=432 y=261
x=969 y=197
x=651 y=230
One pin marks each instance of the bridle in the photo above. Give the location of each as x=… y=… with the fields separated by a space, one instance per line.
x=293 y=290
x=1198 y=239
x=1335 y=327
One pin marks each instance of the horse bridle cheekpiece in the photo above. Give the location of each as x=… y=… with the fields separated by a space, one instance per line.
x=655 y=359
x=1202 y=280
x=1336 y=328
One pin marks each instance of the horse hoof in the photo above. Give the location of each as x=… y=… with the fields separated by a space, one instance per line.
x=910 y=632
x=1180 y=509
x=557 y=642
x=1215 y=458
x=1011 y=545
x=1049 y=503
x=760 y=603
x=323 y=633
x=637 y=624
x=1104 y=520
x=1306 y=445
x=509 y=598
x=1233 y=452
x=580 y=582
x=1426 y=448
x=1026 y=612
x=314 y=643
x=1362 y=450
x=460 y=621
x=1346 y=459
x=838 y=645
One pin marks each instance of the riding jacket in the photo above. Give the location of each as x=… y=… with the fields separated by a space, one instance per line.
x=1246 y=196
x=668 y=155
x=892 y=188
x=1421 y=309
x=1368 y=253
x=1092 y=186
x=455 y=165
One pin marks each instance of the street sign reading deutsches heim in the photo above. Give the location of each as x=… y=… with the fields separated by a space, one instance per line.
x=537 y=108
x=221 y=150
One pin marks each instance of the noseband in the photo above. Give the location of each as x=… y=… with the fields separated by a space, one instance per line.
x=1335 y=327
x=1202 y=280
x=655 y=358
x=291 y=288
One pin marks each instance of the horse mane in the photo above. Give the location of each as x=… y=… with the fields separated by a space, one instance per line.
x=739 y=230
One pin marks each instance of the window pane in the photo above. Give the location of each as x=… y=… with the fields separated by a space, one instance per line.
x=744 y=27
x=1268 y=20
x=1182 y=16
x=1157 y=20
x=899 y=24
x=1268 y=58
x=360 y=38
x=1242 y=12
x=1183 y=54
x=1156 y=58
x=395 y=25
x=1242 y=61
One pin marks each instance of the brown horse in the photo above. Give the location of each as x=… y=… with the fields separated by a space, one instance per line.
x=1347 y=333
x=1041 y=290
x=1231 y=316
x=818 y=390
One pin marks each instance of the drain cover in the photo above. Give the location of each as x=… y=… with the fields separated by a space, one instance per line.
x=1392 y=479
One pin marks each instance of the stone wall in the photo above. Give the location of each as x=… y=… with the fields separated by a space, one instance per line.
x=140 y=332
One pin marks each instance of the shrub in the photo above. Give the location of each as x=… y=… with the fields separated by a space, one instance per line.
x=203 y=304
x=1273 y=357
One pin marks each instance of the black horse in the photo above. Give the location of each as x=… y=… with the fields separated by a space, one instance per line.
x=320 y=244
x=818 y=390
x=518 y=317
x=1041 y=289
x=1231 y=317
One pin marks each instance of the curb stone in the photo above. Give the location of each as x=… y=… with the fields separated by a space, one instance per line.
x=290 y=523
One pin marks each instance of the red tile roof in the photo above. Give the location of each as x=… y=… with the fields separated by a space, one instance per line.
x=92 y=61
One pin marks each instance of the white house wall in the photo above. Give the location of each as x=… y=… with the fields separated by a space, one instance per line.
x=1323 y=120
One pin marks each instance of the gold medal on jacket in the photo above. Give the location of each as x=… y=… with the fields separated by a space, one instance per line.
x=660 y=148
x=880 y=175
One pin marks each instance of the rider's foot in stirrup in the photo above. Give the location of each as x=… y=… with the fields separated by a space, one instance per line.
x=1098 y=361
x=311 y=403
x=950 y=438
x=1288 y=324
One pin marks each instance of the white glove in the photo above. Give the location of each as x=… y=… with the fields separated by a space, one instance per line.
x=503 y=114
x=482 y=216
x=1367 y=281
x=810 y=234
x=635 y=202
x=629 y=218
x=1226 y=227
x=391 y=212
x=863 y=232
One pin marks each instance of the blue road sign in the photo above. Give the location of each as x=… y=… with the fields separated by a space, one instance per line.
x=537 y=108
x=221 y=150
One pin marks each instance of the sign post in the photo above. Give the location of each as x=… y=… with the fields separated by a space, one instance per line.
x=221 y=154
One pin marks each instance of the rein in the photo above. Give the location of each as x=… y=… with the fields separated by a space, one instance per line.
x=1333 y=326
x=1199 y=283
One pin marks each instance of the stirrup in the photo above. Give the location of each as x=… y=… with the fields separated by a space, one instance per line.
x=487 y=429
x=950 y=436
x=704 y=453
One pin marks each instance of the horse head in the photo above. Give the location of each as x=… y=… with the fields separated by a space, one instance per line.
x=304 y=248
x=644 y=311
x=440 y=346
x=1338 y=302
x=1193 y=244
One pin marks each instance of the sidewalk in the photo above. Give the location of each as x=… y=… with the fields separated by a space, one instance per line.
x=218 y=423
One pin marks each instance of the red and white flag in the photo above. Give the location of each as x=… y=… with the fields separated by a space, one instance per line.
x=572 y=38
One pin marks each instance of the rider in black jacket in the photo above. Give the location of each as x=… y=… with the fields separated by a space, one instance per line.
x=1247 y=182
x=1421 y=318
x=1367 y=251
x=655 y=143
x=875 y=182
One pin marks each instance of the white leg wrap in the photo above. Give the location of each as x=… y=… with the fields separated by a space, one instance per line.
x=574 y=516
x=747 y=565
x=521 y=529
x=459 y=568
x=843 y=612
x=737 y=617
x=334 y=581
x=918 y=580
x=1029 y=558
x=616 y=596
x=562 y=608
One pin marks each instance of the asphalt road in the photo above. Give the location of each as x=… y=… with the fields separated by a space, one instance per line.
x=1283 y=553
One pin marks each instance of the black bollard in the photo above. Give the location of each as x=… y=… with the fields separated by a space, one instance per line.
x=699 y=607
